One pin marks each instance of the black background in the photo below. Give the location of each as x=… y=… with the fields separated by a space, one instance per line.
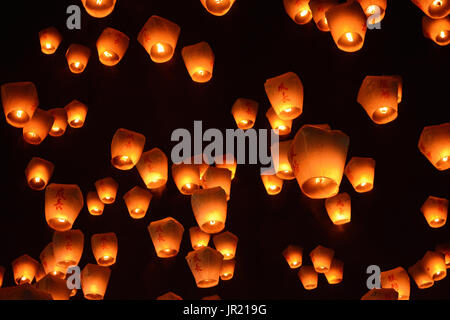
x=256 y=40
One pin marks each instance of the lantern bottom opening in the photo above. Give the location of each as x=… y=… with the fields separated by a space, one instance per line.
x=320 y=187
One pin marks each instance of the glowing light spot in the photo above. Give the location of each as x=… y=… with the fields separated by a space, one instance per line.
x=77 y=120
x=282 y=128
x=319 y=180
x=48 y=45
x=99 y=2
x=77 y=64
x=287 y=110
x=383 y=110
x=349 y=36
x=159 y=48
x=442 y=34
x=244 y=121
x=303 y=13
x=37 y=180
x=62 y=220
x=19 y=113
x=372 y=9
x=437 y=3
x=325 y=21
x=295 y=263
x=212 y=222
x=445 y=159
x=55 y=129
x=273 y=187
x=107 y=54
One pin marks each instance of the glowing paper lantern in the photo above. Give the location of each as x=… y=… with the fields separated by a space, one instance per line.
x=48 y=261
x=68 y=247
x=226 y=161
x=360 y=172
x=375 y=10
x=322 y=258
x=107 y=190
x=38 y=173
x=309 y=277
x=298 y=10
x=126 y=149
x=294 y=256
x=153 y=168
x=381 y=294
x=420 y=276
x=104 y=247
x=217 y=177
x=317 y=157
x=169 y=296
x=438 y=30
x=199 y=61
x=77 y=57
x=210 y=209
x=226 y=244
x=24 y=269
x=434 y=265
x=336 y=272
x=283 y=126
x=244 y=112
x=37 y=129
x=227 y=271
x=60 y=123
x=435 y=9
x=76 y=113
x=63 y=203
x=347 y=23
x=2 y=274
x=318 y=9
x=137 y=201
x=50 y=39
x=434 y=143
x=199 y=239
x=217 y=7
x=99 y=8
x=282 y=165
x=397 y=279
x=445 y=250
x=339 y=208
x=94 y=281
x=56 y=287
x=159 y=38
x=111 y=46
x=94 y=204
x=166 y=236
x=435 y=211
x=205 y=265
x=186 y=177
x=20 y=101
x=272 y=183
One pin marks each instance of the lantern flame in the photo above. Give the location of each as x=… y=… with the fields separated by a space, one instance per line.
x=349 y=36
x=383 y=110
x=159 y=48
x=48 y=45
x=372 y=9
x=437 y=3
x=19 y=113
x=303 y=13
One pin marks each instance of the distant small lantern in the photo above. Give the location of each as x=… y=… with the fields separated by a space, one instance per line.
x=445 y=250
x=420 y=276
x=227 y=271
x=381 y=294
x=309 y=277
x=94 y=204
x=435 y=9
x=217 y=177
x=94 y=281
x=199 y=61
x=186 y=177
x=77 y=57
x=76 y=113
x=37 y=129
x=283 y=126
x=317 y=157
x=38 y=173
x=434 y=265
x=126 y=149
x=55 y=286
x=68 y=247
x=375 y=10
x=2 y=274
x=282 y=165
x=63 y=203
x=166 y=236
x=339 y=208
x=210 y=209
x=199 y=239
x=159 y=38
x=48 y=261
x=360 y=172
x=169 y=296
x=99 y=8
x=435 y=211
x=137 y=201
x=205 y=265
x=318 y=9
x=336 y=272
x=105 y=247
x=397 y=279
x=60 y=123
x=348 y=25
x=434 y=143
x=298 y=10
x=24 y=269
x=50 y=39
x=438 y=30
x=244 y=112
x=227 y=161
x=107 y=190
x=226 y=244
x=217 y=7
x=322 y=258
x=272 y=183
x=294 y=256
x=20 y=101
x=111 y=46
x=153 y=168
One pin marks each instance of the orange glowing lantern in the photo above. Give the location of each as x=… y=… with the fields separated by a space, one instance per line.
x=420 y=276
x=381 y=294
x=107 y=190
x=322 y=258
x=50 y=39
x=40 y=274
x=336 y=272
x=318 y=9
x=54 y=286
x=60 y=123
x=38 y=173
x=435 y=9
x=434 y=265
x=347 y=23
x=435 y=211
x=37 y=129
x=169 y=296
x=339 y=208
x=68 y=247
x=77 y=57
x=126 y=149
x=99 y=8
x=397 y=279
x=281 y=161
x=94 y=281
x=283 y=126
x=244 y=112
x=186 y=177
x=76 y=113
x=94 y=204
x=226 y=244
x=20 y=101
x=104 y=247
x=445 y=250
x=294 y=256
x=205 y=264
x=360 y=172
x=199 y=61
x=217 y=7
x=199 y=239
x=137 y=201
x=309 y=277
x=217 y=177
x=166 y=236
x=272 y=183
x=48 y=261
x=375 y=10
x=24 y=269
x=317 y=157
x=437 y=30
x=227 y=161
x=111 y=46
x=153 y=168
x=2 y=274
x=63 y=203
x=210 y=209
x=227 y=271
x=298 y=10
x=434 y=143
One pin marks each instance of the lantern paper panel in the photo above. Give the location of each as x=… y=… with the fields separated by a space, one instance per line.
x=227 y=271
x=186 y=177
x=226 y=244
x=309 y=277
x=281 y=160
x=217 y=7
x=205 y=264
x=137 y=201
x=244 y=112
x=59 y=123
x=227 y=161
x=199 y=61
x=153 y=168
x=437 y=30
x=111 y=46
x=20 y=101
x=40 y=274
x=294 y=256
x=213 y=297
x=50 y=39
x=434 y=265
x=105 y=247
x=434 y=9
x=94 y=281
x=322 y=258
x=94 y=204
x=2 y=274
x=435 y=211
x=361 y=172
x=37 y=129
x=169 y=296
x=420 y=276
x=445 y=250
x=381 y=294
x=283 y=126
x=24 y=269
x=217 y=177
x=397 y=279
x=76 y=113
x=339 y=208
x=434 y=143
x=99 y=8
x=68 y=247
x=38 y=173
x=126 y=149
x=272 y=183
x=166 y=236
x=48 y=261
x=77 y=57
x=375 y=10
x=210 y=209
x=199 y=239
x=318 y=9
x=107 y=190
x=56 y=287
x=336 y=272
x=298 y=10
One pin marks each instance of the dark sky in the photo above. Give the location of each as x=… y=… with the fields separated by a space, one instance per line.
x=256 y=40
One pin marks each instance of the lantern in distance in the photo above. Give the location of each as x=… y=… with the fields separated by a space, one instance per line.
x=205 y=264
x=153 y=168
x=318 y=9
x=420 y=276
x=226 y=244
x=283 y=126
x=360 y=172
x=199 y=61
x=322 y=258
x=137 y=201
x=50 y=39
x=126 y=149
x=20 y=101
x=227 y=271
x=55 y=286
x=77 y=57
x=227 y=161
x=348 y=25
x=217 y=7
x=294 y=256
x=434 y=143
x=397 y=279
x=272 y=183
x=104 y=247
x=437 y=30
x=435 y=9
x=434 y=265
x=339 y=208
x=336 y=272
x=159 y=38
x=99 y=8
x=76 y=113
x=94 y=281
x=59 y=123
x=2 y=274
x=217 y=177
x=445 y=250
x=24 y=269
x=199 y=239
x=435 y=211
x=375 y=10
x=281 y=161
x=298 y=10
x=111 y=46
x=309 y=277
x=37 y=129
x=381 y=294
x=210 y=209
x=186 y=177
x=107 y=190
x=68 y=247
x=38 y=173
x=244 y=112
x=94 y=204
x=166 y=236
x=169 y=296
x=48 y=261
x=63 y=203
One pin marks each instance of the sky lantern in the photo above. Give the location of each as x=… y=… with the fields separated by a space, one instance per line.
x=317 y=157
x=111 y=46
x=63 y=203
x=126 y=149
x=226 y=244
x=420 y=276
x=309 y=277
x=397 y=279
x=210 y=209
x=244 y=112
x=348 y=25
x=40 y=274
x=322 y=258
x=435 y=211
x=48 y=261
x=336 y=272
x=76 y=113
x=205 y=265
x=166 y=236
x=107 y=190
x=375 y=10
x=227 y=161
x=217 y=7
x=434 y=143
x=217 y=177
x=24 y=269
x=434 y=265
x=435 y=9
x=283 y=126
x=445 y=250
x=199 y=239
x=360 y=172
x=77 y=57
x=99 y=8
x=2 y=274
x=294 y=256
x=137 y=201
x=169 y=296
x=38 y=173
x=105 y=246
x=381 y=294
x=50 y=38
x=153 y=168
x=68 y=247
x=94 y=204
x=186 y=177
x=282 y=165
x=272 y=183
x=20 y=101
x=318 y=9
x=37 y=129
x=227 y=271
x=339 y=208
x=199 y=61
x=159 y=38
x=59 y=123
x=55 y=286
x=298 y=10
x=437 y=30
x=94 y=281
